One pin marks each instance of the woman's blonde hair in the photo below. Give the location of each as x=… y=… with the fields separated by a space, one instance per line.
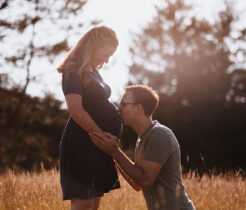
x=79 y=56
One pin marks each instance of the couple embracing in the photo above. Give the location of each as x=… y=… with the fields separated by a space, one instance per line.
x=89 y=152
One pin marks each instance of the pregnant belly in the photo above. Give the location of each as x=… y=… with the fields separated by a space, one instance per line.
x=107 y=117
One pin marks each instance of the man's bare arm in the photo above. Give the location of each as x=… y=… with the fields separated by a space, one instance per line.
x=143 y=175
x=127 y=178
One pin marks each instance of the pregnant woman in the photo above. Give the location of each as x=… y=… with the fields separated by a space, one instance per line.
x=86 y=172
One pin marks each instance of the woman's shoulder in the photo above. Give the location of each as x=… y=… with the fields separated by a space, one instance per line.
x=70 y=74
x=71 y=82
x=70 y=70
x=70 y=67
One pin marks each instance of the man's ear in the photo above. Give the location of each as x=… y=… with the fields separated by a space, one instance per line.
x=140 y=108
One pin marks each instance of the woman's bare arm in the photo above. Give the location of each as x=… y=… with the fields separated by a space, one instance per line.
x=79 y=115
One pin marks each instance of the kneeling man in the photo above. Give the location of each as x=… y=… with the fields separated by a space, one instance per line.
x=157 y=162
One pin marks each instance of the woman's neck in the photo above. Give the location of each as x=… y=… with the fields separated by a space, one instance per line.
x=91 y=68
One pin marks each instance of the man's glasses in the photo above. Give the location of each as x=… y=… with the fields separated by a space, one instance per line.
x=123 y=104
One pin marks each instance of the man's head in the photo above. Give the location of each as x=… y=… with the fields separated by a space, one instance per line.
x=138 y=101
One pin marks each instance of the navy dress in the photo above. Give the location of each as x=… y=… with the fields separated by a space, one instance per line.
x=85 y=171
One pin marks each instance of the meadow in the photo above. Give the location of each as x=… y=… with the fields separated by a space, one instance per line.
x=41 y=191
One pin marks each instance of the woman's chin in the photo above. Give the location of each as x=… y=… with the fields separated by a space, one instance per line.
x=99 y=66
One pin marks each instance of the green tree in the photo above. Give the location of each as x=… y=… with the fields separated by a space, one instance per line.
x=188 y=60
x=32 y=32
x=33 y=136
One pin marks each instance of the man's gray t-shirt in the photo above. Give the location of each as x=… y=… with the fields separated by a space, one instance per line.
x=158 y=144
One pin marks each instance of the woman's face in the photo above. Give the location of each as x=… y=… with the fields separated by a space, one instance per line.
x=101 y=56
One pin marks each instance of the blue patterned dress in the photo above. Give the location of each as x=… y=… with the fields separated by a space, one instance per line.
x=85 y=171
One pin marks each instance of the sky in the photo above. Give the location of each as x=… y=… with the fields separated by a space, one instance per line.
x=121 y=16
x=124 y=17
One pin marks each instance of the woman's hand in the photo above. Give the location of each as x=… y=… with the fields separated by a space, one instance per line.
x=107 y=143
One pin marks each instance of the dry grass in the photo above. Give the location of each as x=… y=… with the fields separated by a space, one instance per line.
x=40 y=191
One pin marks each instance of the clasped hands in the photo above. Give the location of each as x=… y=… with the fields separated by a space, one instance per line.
x=105 y=142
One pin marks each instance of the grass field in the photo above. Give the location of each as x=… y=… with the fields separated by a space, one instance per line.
x=41 y=191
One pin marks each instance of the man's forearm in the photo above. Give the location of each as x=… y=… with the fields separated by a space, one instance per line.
x=127 y=178
x=136 y=173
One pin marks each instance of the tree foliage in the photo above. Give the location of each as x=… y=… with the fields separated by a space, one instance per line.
x=189 y=61
x=31 y=136
x=31 y=32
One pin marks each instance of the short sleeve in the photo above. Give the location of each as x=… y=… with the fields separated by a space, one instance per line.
x=159 y=147
x=71 y=83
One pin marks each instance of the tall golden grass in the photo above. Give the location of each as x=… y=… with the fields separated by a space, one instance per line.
x=41 y=191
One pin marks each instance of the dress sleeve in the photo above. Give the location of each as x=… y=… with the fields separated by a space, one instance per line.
x=71 y=83
x=159 y=147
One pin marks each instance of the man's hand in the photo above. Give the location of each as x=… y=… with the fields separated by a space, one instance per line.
x=144 y=175
x=107 y=143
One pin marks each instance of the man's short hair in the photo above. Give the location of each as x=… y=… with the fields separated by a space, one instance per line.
x=145 y=96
